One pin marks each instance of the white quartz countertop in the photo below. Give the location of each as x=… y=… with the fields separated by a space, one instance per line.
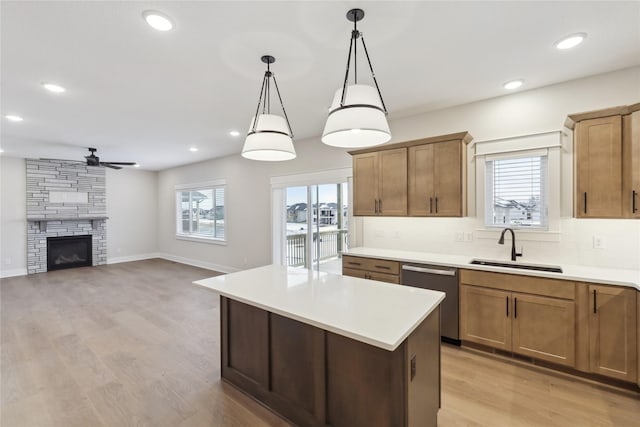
x=376 y=313
x=611 y=276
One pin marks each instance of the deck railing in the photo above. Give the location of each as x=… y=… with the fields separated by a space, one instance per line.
x=330 y=244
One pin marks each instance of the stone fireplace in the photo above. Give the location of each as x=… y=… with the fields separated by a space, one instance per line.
x=65 y=199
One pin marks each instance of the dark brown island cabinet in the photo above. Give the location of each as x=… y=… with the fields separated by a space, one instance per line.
x=314 y=371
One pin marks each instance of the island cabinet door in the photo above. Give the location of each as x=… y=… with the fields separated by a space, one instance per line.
x=544 y=328
x=485 y=316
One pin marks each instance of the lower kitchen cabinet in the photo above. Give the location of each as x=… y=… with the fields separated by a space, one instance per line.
x=484 y=317
x=370 y=268
x=613 y=335
x=538 y=326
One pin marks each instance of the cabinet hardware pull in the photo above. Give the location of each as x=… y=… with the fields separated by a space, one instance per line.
x=384 y=267
x=430 y=204
x=515 y=308
x=507 y=306
x=633 y=199
x=380 y=206
x=353 y=263
x=436 y=205
x=585 y=202
x=595 y=310
x=375 y=205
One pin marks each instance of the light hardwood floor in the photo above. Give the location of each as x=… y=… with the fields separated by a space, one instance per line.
x=136 y=344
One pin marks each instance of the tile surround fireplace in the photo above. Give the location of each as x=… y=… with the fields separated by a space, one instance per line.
x=64 y=199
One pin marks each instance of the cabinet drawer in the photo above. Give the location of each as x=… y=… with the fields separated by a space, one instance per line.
x=353 y=272
x=364 y=274
x=371 y=264
x=527 y=284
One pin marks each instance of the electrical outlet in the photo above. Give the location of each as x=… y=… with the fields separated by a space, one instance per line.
x=598 y=242
x=468 y=236
x=396 y=234
x=459 y=236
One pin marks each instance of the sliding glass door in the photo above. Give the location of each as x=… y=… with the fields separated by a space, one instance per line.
x=316 y=226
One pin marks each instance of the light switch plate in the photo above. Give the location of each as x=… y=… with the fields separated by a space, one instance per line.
x=598 y=242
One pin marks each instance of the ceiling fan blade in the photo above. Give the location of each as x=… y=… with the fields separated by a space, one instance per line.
x=108 y=165
x=120 y=163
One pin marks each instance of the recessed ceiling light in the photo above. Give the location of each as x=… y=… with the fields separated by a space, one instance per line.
x=234 y=133
x=1 y=150
x=157 y=20
x=571 y=41
x=137 y=165
x=514 y=84
x=51 y=87
x=13 y=118
x=193 y=149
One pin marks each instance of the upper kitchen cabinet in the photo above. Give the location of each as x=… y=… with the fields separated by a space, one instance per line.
x=426 y=177
x=380 y=183
x=607 y=162
x=437 y=178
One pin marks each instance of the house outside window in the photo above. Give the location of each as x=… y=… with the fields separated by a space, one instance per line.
x=200 y=211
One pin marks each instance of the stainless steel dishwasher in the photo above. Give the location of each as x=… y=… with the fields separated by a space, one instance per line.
x=443 y=279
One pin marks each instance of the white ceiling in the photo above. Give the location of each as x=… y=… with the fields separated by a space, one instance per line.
x=147 y=96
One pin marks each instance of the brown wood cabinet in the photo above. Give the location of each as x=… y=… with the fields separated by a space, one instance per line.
x=612 y=332
x=317 y=378
x=380 y=183
x=607 y=162
x=525 y=315
x=371 y=268
x=425 y=177
x=437 y=179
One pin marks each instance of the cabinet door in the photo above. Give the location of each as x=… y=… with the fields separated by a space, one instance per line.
x=392 y=182
x=365 y=183
x=631 y=165
x=420 y=180
x=485 y=316
x=598 y=147
x=544 y=328
x=612 y=332
x=447 y=173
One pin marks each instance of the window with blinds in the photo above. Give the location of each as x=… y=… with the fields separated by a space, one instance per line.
x=516 y=191
x=201 y=212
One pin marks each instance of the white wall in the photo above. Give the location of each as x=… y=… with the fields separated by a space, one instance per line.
x=528 y=112
x=132 y=198
x=131 y=207
x=13 y=216
x=248 y=220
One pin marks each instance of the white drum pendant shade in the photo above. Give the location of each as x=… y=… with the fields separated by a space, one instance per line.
x=360 y=122
x=270 y=141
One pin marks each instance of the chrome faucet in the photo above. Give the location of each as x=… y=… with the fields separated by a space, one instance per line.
x=514 y=254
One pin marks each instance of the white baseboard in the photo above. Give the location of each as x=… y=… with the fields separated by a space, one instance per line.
x=13 y=272
x=198 y=263
x=129 y=258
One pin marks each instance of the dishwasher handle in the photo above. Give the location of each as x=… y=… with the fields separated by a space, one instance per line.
x=429 y=270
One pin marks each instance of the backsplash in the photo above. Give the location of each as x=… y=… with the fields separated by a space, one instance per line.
x=572 y=245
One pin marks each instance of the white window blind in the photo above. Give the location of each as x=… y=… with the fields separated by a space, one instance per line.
x=516 y=191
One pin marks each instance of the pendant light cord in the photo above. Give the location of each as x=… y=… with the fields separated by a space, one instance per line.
x=373 y=74
x=265 y=91
x=282 y=105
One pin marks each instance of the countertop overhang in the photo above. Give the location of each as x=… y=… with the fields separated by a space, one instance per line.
x=376 y=313
x=578 y=273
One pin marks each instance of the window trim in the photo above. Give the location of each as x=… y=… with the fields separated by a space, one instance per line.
x=180 y=188
x=552 y=142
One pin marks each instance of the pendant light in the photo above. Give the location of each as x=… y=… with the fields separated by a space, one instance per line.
x=357 y=117
x=269 y=137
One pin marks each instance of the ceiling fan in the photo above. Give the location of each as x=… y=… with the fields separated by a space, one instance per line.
x=93 y=160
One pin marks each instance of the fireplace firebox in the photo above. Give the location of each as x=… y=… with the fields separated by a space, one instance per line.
x=69 y=252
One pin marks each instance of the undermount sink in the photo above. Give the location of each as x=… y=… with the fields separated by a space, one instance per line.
x=536 y=267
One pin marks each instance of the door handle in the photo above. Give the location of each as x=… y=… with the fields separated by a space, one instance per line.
x=585 y=202
x=634 y=208
x=429 y=270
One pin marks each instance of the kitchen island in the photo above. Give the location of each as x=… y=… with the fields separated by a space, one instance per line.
x=328 y=350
